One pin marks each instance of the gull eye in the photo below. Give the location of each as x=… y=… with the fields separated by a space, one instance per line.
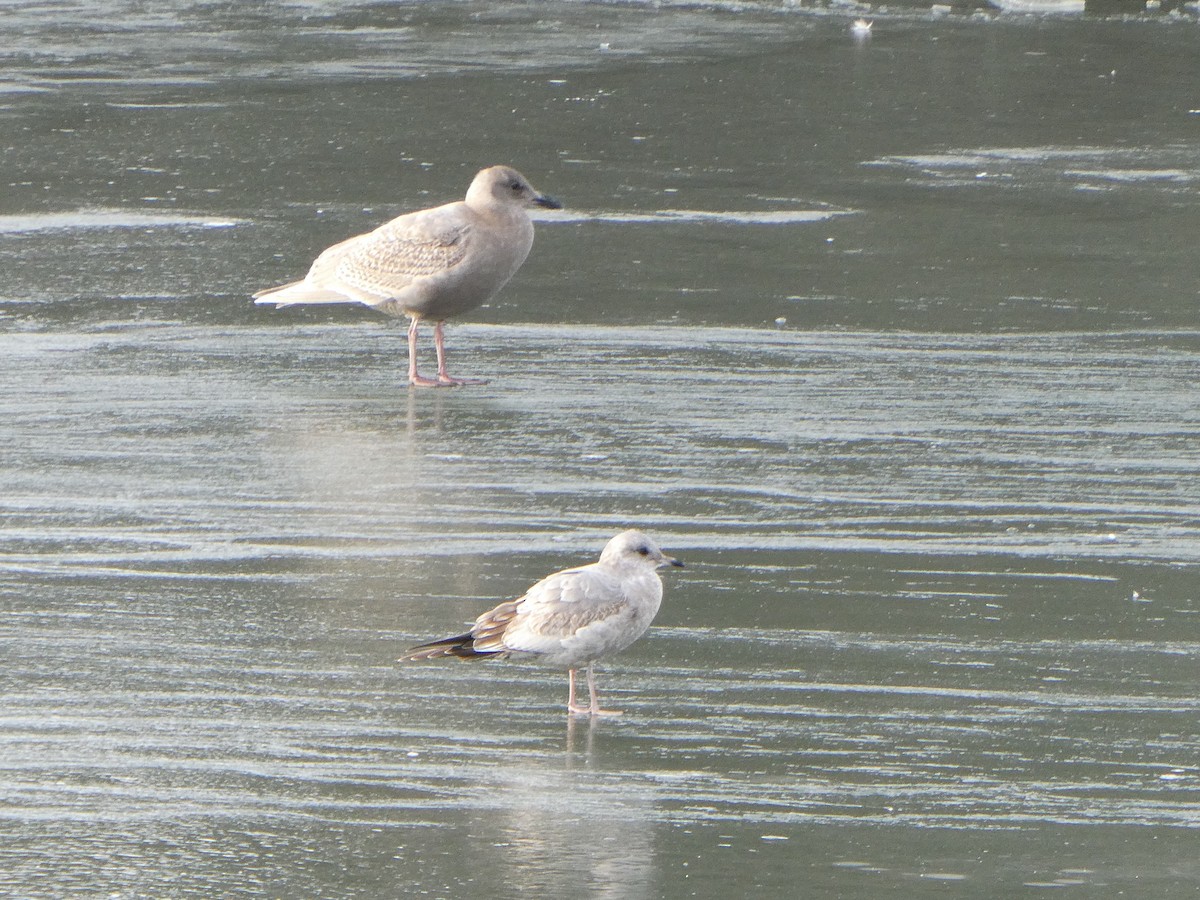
x=516 y=185
x=644 y=550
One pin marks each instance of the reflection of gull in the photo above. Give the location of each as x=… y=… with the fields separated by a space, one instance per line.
x=571 y=618
x=430 y=264
x=567 y=830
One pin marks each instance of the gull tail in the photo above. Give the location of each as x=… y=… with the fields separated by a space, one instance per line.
x=462 y=646
x=299 y=292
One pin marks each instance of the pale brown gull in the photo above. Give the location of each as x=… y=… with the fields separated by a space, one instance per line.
x=430 y=264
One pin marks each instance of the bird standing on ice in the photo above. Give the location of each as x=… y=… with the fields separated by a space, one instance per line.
x=430 y=264
x=571 y=618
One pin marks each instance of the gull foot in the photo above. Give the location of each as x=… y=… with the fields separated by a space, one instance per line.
x=443 y=381
x=447 y=381
x=592 y=711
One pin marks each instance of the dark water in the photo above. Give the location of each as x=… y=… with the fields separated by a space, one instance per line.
x=893 y=341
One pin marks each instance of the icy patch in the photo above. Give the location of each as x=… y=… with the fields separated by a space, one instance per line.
x=1040 y=7
x=1134 y=176
x=107 y=218
x=1105 y=167
x=727 y=217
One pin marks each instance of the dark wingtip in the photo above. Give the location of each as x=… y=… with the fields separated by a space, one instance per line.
x=459 y=645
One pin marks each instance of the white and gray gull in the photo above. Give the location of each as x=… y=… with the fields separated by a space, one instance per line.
x=571 y=618
x=430 y=264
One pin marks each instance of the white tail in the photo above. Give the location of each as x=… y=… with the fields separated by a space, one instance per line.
x=299 y=292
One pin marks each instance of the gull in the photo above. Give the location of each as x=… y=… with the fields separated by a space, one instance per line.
x=430 y=264
x=571 y=618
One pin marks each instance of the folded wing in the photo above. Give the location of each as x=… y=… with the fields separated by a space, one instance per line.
x=378 y=266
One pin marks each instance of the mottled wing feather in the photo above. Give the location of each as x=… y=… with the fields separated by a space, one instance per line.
x=488 y=632
x=324 y=267
x=390 y=258
x=556 y=608
x=566 y=622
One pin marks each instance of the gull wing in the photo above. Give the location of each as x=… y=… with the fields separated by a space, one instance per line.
x=557 y=608
x=387 y=260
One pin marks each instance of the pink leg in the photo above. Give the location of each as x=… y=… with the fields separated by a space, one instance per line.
x=594 y=696
x=572 y=706
x=413 y=377
x=443 y=377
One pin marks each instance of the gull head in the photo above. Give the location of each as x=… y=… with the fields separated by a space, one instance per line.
x=504 y=186
x=633 y=548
